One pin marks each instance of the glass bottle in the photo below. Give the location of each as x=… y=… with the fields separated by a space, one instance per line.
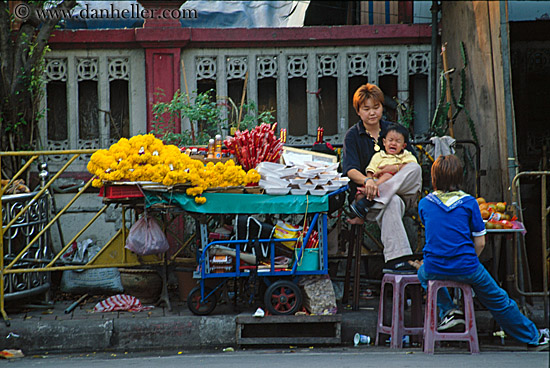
x=218 y=146
x=211 y=148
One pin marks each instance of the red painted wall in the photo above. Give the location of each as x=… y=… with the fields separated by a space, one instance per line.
x=387 y=34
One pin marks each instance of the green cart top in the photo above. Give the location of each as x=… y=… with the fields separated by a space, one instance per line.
x=233 y=203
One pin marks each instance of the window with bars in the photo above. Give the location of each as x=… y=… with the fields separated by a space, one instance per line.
x=311 y=87
x=91 y=101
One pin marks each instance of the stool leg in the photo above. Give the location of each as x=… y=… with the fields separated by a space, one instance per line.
x=380 y=313
x=351 y=249
x=469 y=314
x=397 y=317
x=430 y=320
x=357 y=268
x=416 y=309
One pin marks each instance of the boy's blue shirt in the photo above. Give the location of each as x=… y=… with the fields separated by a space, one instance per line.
x=451 y=220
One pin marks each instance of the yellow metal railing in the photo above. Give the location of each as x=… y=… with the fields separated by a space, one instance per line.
x=112 y=254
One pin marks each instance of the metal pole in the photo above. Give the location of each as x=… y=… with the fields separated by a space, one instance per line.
x=435 y=80
x=2 y=293
x=544 y=235
x=508 y=98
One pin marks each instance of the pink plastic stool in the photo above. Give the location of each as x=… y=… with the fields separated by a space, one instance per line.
x=430 y=320
x=397 y=329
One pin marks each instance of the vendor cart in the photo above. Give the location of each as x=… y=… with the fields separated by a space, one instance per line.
x=283 y=295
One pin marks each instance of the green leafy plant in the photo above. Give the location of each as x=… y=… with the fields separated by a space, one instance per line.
x=206 y=113
x=405 y=114
x=247 y=116
x=440 y=121
x=203 y=111
x=23 y=43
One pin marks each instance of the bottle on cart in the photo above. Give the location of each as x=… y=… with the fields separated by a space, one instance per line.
x=218 y=146
x=211 y=148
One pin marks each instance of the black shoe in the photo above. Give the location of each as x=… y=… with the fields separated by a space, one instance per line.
x=357 y=212
x=361 y=207
x=452 y=322
x=401 y=267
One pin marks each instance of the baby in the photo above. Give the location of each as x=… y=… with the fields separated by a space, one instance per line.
x=394 y=154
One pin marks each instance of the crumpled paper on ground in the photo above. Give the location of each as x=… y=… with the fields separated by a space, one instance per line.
x=11 y=354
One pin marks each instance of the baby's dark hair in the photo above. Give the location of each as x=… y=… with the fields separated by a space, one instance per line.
x=395 y=127
x=447 y=173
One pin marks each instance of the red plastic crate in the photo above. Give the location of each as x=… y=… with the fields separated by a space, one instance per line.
x=120 y=191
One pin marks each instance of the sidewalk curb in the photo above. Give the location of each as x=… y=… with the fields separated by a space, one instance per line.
x=189 y=332
x=58 y=336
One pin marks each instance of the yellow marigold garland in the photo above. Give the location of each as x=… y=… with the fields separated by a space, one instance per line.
x=147 y=158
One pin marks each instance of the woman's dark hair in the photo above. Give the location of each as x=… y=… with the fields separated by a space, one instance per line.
x=446 y=173
x=396 y=127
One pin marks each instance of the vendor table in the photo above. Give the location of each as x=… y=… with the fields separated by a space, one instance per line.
x=515 y=266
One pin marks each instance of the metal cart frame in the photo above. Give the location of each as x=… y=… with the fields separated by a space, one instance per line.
x=270 y=276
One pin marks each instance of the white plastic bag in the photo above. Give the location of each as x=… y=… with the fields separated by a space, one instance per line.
x=146 y=237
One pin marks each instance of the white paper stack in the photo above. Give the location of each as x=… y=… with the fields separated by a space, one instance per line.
x=315 y=178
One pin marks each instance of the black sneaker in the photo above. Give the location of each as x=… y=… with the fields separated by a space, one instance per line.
x=400 y=267
x=544 y=341
x=356 y=211
x=453 y=321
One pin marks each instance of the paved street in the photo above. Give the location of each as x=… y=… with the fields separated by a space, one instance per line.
x=367 y=356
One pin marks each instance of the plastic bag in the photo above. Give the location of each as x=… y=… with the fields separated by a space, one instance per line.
x=94 y=280
x=284 y=230
x=146 y=237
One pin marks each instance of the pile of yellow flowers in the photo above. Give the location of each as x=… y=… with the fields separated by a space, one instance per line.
x=147 y=158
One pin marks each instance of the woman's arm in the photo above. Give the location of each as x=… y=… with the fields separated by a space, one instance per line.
x=356 y=176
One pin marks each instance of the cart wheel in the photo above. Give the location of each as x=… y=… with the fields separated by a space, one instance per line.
x=194 y=301
x=283 y=297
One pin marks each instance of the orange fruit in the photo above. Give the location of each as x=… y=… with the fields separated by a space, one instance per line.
x=501 y=206
x=480 y=200
x=483 y=206
x=492 y=207
x=490 y=225
x=485 y=214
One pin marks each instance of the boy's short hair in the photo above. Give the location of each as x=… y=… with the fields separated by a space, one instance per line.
x=446 y=173
x=396 y=127
x=365 y=92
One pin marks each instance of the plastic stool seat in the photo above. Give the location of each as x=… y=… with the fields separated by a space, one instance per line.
x=397 y=329
x=431 y=335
